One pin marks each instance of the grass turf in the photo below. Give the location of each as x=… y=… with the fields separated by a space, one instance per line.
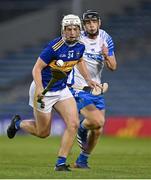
x=29 y=157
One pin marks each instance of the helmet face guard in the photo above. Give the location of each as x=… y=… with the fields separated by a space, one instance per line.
x=71 y=19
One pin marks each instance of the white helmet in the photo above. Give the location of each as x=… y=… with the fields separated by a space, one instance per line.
x=71 y=19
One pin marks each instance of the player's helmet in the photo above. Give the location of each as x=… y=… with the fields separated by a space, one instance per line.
x=71 y=19
x=89 y=14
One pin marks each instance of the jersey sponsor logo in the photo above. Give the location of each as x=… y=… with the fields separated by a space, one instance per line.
x=92 y=44
x=62 y=55
x=96 y=56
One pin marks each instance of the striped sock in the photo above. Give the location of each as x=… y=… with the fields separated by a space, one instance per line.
x=83 y=157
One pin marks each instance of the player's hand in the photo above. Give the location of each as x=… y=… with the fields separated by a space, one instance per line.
x=39 y=92
x=93 y=84
x=102 y=90
x=39 y=100
x=40 y=96
x=105 y=51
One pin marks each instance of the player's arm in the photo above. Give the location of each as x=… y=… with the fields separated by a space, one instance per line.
x=44 y=59
x=36 y=72
x=83 y=69
x=85 y=73
x=108 y=53
x=110 y=61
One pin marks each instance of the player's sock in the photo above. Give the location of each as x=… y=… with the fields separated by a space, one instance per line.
x=61 y=160
x=83 y=157
x=17 y=124
x=82 y=136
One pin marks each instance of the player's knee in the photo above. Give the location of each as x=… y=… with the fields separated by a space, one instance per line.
x=73 y=125
x=97 y=123
x=43 y=134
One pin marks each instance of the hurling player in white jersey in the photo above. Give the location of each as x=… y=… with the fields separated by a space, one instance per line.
x=67 y=48
x=99 y=50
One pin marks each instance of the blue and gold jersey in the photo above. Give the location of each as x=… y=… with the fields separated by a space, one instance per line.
x=55 y=50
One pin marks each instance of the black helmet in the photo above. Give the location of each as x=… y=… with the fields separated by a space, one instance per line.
x=89 y=14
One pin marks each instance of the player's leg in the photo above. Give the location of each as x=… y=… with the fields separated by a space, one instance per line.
x=82 y=101
x=68 y=110
x=94 y=121
x=92 y=139
x=82 y=160
x=94 y=118
x=41 y=125
x=94 y=133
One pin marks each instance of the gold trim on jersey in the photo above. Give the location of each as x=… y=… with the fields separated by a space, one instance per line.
x=58 y=45
x=68 y=65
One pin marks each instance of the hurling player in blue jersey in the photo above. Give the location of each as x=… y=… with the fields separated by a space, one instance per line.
x=99 y=51
x=70 y=51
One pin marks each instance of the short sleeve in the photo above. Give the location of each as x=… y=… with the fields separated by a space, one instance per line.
x=47 y=54
x=110 y=45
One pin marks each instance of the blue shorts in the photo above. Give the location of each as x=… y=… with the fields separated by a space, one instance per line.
x=84 y=99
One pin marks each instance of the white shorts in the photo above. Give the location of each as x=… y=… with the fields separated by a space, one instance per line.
x=50 y=98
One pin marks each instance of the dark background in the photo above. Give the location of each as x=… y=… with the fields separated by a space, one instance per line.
x=27 y=25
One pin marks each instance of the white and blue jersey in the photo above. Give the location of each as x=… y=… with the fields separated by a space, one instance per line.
x=55 y=50
x=95 y=63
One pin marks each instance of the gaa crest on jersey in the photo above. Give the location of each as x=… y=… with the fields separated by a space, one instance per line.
x=77 y=54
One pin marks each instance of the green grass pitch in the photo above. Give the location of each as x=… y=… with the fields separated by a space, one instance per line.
x=34 y=158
